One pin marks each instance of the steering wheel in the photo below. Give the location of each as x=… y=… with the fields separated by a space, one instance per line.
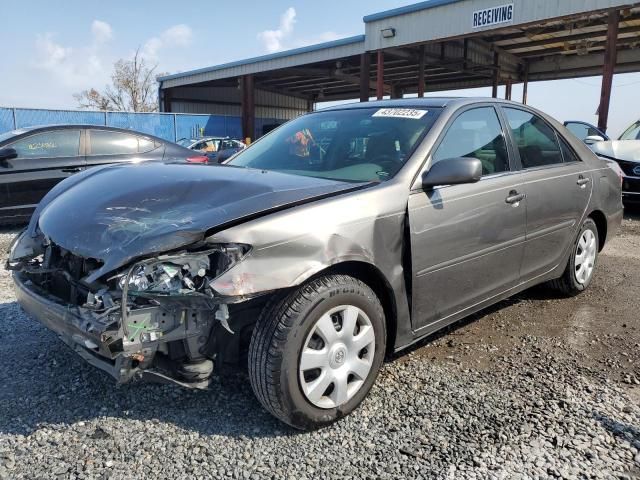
x=387 y=162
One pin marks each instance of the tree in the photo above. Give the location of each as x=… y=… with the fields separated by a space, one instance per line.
x=133 y=88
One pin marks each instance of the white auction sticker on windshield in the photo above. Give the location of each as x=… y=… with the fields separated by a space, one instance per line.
x=401 y=113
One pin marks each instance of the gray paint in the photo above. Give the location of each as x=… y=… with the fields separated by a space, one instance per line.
x=469 y=247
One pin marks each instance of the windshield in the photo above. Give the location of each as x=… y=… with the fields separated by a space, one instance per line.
x=354 y=145
x=632 y=133
x=184 y=142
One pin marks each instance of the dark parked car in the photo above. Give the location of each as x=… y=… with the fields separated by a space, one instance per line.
x=347 y=233
x=217 y=149
x=33 y=160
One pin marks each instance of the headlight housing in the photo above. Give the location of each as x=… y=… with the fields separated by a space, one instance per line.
x=181 y=274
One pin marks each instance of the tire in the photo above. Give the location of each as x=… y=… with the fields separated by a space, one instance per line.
x=287 y=330
x=571 y=283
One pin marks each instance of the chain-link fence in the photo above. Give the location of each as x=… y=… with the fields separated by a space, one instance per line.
x=169 y=126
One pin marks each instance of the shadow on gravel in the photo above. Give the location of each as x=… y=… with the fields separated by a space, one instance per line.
x=632 y=212
x=624 y=431
x=44 y=382
x=536 y=293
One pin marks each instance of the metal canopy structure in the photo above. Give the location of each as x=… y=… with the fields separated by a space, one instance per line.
x=425 y=47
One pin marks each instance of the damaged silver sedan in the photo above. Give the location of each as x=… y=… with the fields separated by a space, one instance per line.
x=344 y=235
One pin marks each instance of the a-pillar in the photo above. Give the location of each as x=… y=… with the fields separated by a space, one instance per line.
x=610 y=58
x=248 y=108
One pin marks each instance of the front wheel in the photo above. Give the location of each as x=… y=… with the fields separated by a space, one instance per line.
x=582 y=262
x=315 y=354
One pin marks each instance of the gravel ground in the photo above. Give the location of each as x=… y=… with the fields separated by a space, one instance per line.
x=535 y=387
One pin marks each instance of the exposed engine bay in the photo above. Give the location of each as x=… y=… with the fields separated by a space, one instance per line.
x=159 y=318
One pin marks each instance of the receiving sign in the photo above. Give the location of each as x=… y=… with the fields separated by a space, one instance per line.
x=493 y=16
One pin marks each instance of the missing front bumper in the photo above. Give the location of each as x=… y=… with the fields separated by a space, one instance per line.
x=137 y=352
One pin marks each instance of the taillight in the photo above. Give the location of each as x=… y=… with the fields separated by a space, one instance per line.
x=198 y=159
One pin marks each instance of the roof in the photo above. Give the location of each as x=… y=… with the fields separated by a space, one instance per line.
x=430 y=102
x=59 y=126
x=287 y=54
x=416 y=7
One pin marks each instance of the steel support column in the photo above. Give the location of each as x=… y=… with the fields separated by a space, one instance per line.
x=248 y=108
x=421 y=72
x=396 y=91
x=496 y=74
x=525 y=84
x=365 y=66
x=380 y=75
x=507 y=90
x=610 y=58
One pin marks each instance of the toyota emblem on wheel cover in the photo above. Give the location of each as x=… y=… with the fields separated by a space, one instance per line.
x=636 y=170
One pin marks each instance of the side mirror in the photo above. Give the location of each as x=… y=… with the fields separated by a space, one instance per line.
x=7 y=154
x=453 y=171
x=591 y=139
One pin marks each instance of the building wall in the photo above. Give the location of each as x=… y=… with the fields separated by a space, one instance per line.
x=226 y=101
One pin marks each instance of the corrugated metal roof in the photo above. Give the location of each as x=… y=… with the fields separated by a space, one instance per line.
x=325 y=47
x=418 y=23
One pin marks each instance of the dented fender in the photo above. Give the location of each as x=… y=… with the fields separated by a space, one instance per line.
x=290 y=246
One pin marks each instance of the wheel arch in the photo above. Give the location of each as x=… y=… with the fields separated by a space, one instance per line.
x=600 y=220
x=375 y=279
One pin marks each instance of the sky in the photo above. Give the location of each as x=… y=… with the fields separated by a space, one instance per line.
x=50 y=50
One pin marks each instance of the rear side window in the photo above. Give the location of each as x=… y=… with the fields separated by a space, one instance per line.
x=104 y=142
x=477 y=134
x=536 y=141
x=57 y=143
x=568 y=153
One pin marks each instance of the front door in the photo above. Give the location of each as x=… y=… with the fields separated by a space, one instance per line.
x=43 y=160
x=466 y=240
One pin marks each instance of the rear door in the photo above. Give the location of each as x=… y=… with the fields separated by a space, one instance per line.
x=557 y=185
x=466 y=240
x=110 y=146
x=44 y=159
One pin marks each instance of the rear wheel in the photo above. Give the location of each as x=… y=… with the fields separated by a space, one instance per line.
x=579 y=272
x=315 y=354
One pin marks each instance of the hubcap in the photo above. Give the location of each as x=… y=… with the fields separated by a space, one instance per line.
x=585 y=256
x=337 y=356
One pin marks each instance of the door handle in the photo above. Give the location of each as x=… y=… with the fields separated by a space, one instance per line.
x=582 y=181
x=72 y=170
x=514 y=198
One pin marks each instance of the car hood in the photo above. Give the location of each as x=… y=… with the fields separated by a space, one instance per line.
x=628 y=150
x=123 y=212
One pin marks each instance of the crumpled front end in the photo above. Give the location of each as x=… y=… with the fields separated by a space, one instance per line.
x=157 y=319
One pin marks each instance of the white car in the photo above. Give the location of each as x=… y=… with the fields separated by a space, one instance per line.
x=625 y=151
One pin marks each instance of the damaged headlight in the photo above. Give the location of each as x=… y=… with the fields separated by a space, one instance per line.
x=182 y=274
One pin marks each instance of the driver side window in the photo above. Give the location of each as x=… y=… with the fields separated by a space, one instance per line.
x=477 y=134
